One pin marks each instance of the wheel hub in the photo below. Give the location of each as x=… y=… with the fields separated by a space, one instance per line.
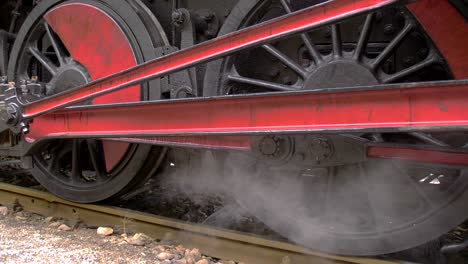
x=68 y=76
x=341 y=73
x=269 y=146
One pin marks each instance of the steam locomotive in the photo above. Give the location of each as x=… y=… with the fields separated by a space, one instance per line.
x=346 y=120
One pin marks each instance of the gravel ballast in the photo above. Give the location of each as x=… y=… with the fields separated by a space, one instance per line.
x=30 y=238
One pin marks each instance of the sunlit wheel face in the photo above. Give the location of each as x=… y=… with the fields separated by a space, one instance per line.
x=368 y=208
x=67 y=44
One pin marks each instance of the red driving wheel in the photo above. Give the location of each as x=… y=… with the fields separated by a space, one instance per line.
x=68 y=44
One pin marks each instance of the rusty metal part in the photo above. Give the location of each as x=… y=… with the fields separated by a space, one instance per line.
x=306 y=19
x=213 y=242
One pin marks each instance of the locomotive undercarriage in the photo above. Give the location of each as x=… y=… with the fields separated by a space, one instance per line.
x=355 y=110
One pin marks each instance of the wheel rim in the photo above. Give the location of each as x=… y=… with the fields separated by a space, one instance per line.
x=321 y=56
x=66 y=49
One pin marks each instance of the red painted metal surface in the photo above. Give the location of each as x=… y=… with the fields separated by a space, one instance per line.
x=447 y=29
x=419 y=155
x=419 y=107
x=97 y=42
x=299 y=21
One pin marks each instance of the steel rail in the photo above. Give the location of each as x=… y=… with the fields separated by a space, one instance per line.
x=213 y=242
x=306 y=19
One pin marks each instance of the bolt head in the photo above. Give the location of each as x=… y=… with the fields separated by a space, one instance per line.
x=25 y=130
x=178 y=18
x=422 y=53
x=9 y=114
x=320 y=148
x=409 y=61
x=182 y=94
x=378 y=16
x=210 y=32
x=268 y=146
x=389 y=29
x=11 y=110
x=274 y=72
x=208 y=17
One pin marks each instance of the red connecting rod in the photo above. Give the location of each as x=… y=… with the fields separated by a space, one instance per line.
x=220 y=122
x=390 y=108
x=303 y=20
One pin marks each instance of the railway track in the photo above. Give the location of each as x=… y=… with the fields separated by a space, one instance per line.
x=211 y=241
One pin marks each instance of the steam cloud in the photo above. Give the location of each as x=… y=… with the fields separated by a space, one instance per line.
x=320 y=208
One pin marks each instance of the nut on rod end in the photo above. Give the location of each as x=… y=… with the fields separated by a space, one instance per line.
x=10 y=110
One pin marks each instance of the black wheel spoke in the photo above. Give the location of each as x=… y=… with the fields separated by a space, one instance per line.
x=314 y=53
x=336 y=38
x=347 y=195
x=286 y=60
x=331 y=184
x=408 y=71
x=76 y=175
x=368 y=184
x=329 y=193
x=52 y=163
x=392 y=46
x=96 y=153
x=286 y=6
x=377 y=137
x=43 y=60
x=422 y=194
x=429 y=139
x=55 y=44
x=364 y=37
x=56 y=153
x=260 y=83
